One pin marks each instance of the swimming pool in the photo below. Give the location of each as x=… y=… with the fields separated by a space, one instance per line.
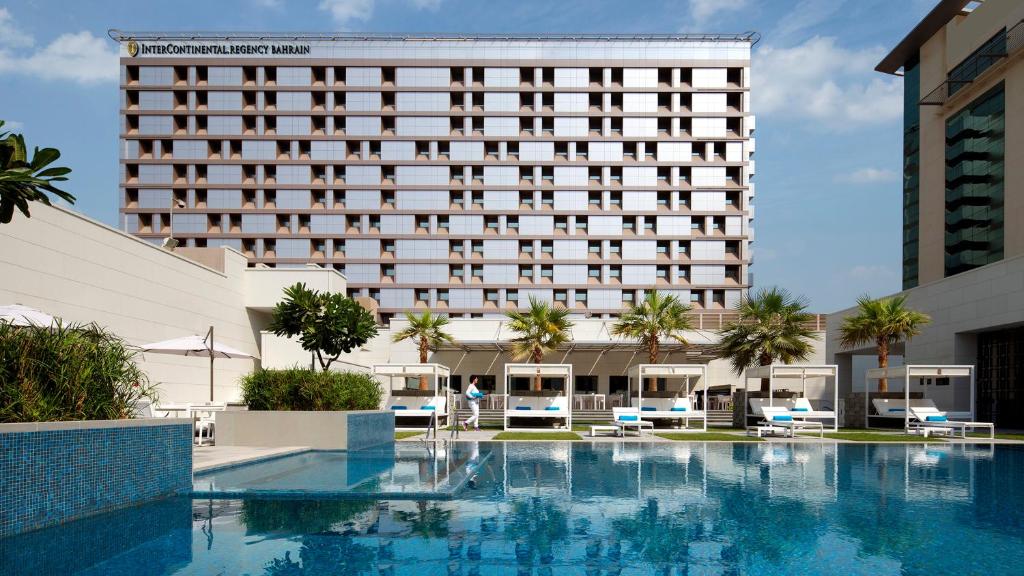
x=591 y=509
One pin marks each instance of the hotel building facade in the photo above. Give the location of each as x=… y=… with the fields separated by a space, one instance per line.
x=963 y=205
x=462 y=174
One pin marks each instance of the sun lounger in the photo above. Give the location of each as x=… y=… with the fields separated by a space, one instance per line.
x=407 y=408
x=627 y=418
x=926 y=417
x=780 y=417
x=678 y=408
x=537 y=407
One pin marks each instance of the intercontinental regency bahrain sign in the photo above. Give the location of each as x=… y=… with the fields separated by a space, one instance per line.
x=228 y=49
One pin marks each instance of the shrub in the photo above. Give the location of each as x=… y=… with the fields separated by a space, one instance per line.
x=72 y=372
x=304 y=389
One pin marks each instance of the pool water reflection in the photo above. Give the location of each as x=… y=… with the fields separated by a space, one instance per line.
x=597 y=509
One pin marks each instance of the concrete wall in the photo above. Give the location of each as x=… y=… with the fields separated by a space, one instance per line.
x=317 y=430
x=83 y=271
x=55 y=472
x=960 y=307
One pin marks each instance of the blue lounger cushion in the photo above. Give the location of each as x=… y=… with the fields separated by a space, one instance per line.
x=629 y=417
x=935 y=419
x=799 y=410
x=782 y=418
x=522 y=407
x=679 y=409
x=555 y=408
x=397 y=407
x=648 y=409
x=427 y=407
x=897 y=409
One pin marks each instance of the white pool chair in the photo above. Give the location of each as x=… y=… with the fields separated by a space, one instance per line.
x=780 y=417
x=929 y=417
x=679 y=408
x=407 y=408
x=537 y=407
x=627 y=418
x=802 y=409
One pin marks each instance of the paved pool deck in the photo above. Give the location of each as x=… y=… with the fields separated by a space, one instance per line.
x=206 y=458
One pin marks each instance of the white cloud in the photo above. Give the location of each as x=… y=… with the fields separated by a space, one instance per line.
x=79 y=57
x=869 y=176
x=10 y=35
x=273 y=4
x=821 y=81
x=701 y=11
x=346 y=11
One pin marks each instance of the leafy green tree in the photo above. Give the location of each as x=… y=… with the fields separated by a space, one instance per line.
x=541 y=330
x=772 y=326
x=884 y=322
x=428 y=331
x=658 y=317
x=326 y=323
x=24 y=179
x=429 y=521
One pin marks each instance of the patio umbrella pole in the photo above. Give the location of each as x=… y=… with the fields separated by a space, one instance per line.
x=210 y=336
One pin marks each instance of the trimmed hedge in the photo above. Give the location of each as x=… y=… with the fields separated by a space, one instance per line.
x=68 y=372
x=304 y=389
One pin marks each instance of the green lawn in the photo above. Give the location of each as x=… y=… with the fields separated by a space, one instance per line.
x=706 y=436
x=998 y=436
x=406 y=434
x=874 y=437
x=537 y=436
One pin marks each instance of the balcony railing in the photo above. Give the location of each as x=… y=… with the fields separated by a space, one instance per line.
x=976 y=65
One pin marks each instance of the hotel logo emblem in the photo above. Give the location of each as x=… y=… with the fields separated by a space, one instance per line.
x=133 y=48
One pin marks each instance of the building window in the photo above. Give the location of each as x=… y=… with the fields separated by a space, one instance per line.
x=974 y=184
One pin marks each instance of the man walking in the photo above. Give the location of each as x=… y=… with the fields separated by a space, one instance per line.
x=473 y=396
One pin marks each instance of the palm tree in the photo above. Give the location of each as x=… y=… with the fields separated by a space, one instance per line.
x=657 y=317
x=25 y=179
x=428 y=331
x=542 y=329
x=883 y=321
x=772 y=326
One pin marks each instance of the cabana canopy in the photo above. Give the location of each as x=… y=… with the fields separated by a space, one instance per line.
x=908 y=371
x=790 y=372
x=638 y=372
x=436 y=410
x=409 y=370
x=559 y=407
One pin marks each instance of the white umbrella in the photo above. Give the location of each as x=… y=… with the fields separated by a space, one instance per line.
x=196 y=345
x=19 y=315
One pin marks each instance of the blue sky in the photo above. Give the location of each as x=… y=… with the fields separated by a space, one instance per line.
x=828 y=126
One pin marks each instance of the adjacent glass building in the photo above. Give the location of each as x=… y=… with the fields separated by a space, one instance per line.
x=464 y=174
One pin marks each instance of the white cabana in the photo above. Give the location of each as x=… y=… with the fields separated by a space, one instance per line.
x=529 y=406
x=407 y=404
x=196 y=345
x=18 y=315
x=679 y=407
x=900 y=408
x=801 y=407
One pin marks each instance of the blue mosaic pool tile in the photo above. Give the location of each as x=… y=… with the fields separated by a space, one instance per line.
x=368 y=429
x=53 y=476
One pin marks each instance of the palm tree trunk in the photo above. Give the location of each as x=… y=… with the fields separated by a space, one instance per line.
x=424 y=350
x=652 y=358
x=766 y=383
x=538 y=357
x=883 y=362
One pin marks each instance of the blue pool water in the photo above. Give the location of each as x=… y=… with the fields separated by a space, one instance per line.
x=578 y=509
